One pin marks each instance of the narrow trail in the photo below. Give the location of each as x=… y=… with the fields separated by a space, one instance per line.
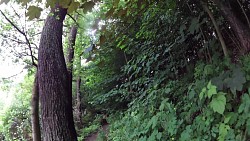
x=93 y=137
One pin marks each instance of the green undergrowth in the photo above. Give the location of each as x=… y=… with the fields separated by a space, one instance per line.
x=90 y=128
x=87 y=131
x=214 y=106
x=171 y=80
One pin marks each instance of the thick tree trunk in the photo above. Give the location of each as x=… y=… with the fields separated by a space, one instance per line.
x=241 y=31
x=36 y=133
x=55 y=97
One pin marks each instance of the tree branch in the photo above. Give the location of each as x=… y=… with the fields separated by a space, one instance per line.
x=25 y=36
x=12 y=75
x=74 y=21
x=14 y=40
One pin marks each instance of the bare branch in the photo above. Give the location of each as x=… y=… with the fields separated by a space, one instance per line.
x=73 y=19
x=12 y=23
x=37 y=33
x=15 y=12
x=14 y=40
x=4 y=78
x=24 y=34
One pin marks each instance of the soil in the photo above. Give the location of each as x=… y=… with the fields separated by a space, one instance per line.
x=94 y=136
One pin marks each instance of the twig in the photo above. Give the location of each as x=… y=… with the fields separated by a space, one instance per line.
x=14 y=40
x=4 y=78
x=15 y=12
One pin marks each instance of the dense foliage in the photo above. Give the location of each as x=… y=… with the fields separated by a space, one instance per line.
x=176 y=83
x=15 y=116
x=161 y=70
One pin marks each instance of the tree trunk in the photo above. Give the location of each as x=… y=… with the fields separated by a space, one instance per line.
x=55 y=97
x=36 y=133
x=217 y=29
x=70 y=57
x=70 y=61
x=241 y=31
x=78 y=102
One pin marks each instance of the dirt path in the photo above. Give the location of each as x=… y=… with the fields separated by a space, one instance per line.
x=94 y=136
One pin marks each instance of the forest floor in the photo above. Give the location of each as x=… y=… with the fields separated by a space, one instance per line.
x=93 y=137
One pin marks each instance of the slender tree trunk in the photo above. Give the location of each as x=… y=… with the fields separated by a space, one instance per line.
x=241 y=31
x=70 y=61
x=55 y=97
x=78 y=102
x=70 y=57
x=36 y=133
x=217 y=29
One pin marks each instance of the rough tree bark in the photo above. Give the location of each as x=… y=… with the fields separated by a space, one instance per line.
x=240 y=30
x=55 y=98
x=78 y=102
x=36 y=133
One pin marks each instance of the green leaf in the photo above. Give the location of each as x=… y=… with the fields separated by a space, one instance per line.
x=248 y=126
x=34 y=12
x=73 y=7
x=161 y=107
x=236 y=81
x=209 y=85
x=218 y=103
x=245 y=105
x=218 y=81
x=159 y=135
x=211 y=90
x=227 y=118
x=223 y=130
x=194 y=25
x=201 y=95
x=186 y=134
x=152 y=136
x=154 y=121
x=208 y=69
x=143 y=138
x=163 y=103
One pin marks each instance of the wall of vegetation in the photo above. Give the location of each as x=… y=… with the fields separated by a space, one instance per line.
x=174 y=70
x=177 y=82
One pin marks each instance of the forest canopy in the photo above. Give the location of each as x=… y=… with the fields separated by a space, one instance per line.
x=127 y=70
